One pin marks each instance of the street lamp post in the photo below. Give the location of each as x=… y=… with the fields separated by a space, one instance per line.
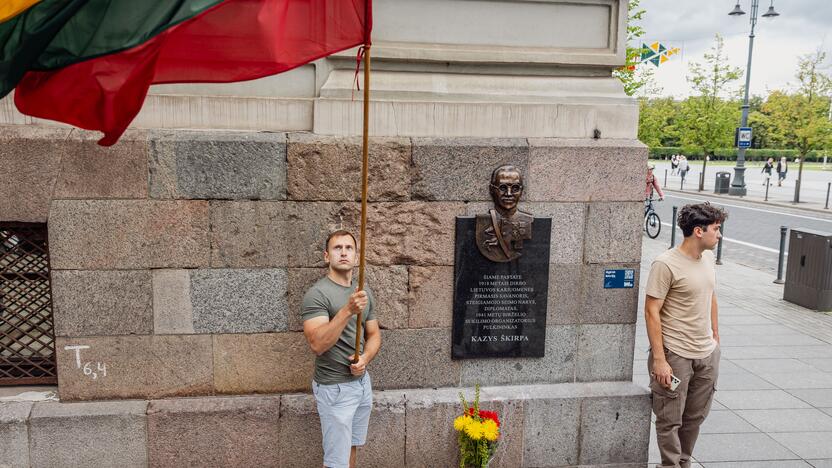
x=738 y=184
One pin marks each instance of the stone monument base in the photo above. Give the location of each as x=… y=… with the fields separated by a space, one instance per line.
x=572 y=424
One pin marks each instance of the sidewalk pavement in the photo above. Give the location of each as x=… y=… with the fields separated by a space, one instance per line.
x=773 y=405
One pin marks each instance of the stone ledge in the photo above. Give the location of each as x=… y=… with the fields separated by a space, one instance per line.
x=410 y=427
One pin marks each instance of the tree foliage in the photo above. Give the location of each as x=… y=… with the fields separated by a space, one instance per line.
x=636 y=78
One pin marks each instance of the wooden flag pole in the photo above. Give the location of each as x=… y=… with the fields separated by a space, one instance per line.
x=364 y=175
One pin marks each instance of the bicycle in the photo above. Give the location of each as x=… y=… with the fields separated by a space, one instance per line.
x=652 y=222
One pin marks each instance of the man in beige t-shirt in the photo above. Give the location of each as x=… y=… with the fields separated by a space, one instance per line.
x=681 y=315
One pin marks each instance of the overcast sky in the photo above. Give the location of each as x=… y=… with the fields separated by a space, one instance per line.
x=802 y=27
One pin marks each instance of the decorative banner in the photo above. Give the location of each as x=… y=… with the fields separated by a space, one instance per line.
x=657 y=53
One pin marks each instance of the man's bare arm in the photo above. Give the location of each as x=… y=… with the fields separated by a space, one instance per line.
x=715 y=317
x=372 y=343
x=322 y=333
x=652 y=311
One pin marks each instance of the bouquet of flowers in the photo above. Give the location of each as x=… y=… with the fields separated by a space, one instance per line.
x=478 y=431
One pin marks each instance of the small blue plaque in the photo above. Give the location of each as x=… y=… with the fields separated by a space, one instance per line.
x=615 y=279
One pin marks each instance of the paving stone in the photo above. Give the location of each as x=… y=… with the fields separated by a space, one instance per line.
x=172 y=308
x=558 y=364
x=613 y=233
x=822 y=364
x=762 y=464
x=807 y=444
x=154 y=366
x=788 y=420
x=604 y=352
x=89 y=170
x=742 y=381
x=239 y=300
x=14 y=433
x=431 y=438
x=799 y=380
x=564 y=299
x=739 y=447
x=33 y=154
x=609 y=169
x=614 y=305
x=300 y=432
x=758 y=399
x=615 y=429
x=262 y=363
x=724 y=422
x=460 y=168
x=238 y=165
x=827 y=463
x=128 y=234
x=817 y=397
x=88 y=434
x=548 y=444
x=415 y=358
x=431 y=296
x=775 y=352
x=329 y=168
x=214 y=432
x=92 y=303
x=248 y=234
x=386 y=434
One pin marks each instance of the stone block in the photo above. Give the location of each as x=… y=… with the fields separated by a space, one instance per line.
x=214 y=432
x=262 y=363
x=128 y=234
x=300 y=280
x=310 y=224
x=600 y=305
x=551 y=432
x=605 y=352
x=93 y=303
x=14 y=433
x=613 y=233
x=431 y=438
x=300 y=432
x=431 y=296
x=88 y=434
x=558 y=364
x=239 y=301
x=329 y=168
x=89 y=170
x=615 y=429
x=460 y=168
x=586 y=169
x=386 y=435
x=247 y=234
x=415 y=358
x=154 y=366
x=564 y=299
x=30 y=161
x=172 y=308
x=204 y=165
x=510 y=450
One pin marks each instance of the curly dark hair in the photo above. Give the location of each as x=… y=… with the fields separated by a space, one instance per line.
x=699 y=215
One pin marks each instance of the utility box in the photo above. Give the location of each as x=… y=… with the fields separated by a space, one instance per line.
x=723 y=182
x=809 y=269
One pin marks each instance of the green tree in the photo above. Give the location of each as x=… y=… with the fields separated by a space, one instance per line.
x=636 y=79
x=811 y=125
x=706 y=119
x=656 y=122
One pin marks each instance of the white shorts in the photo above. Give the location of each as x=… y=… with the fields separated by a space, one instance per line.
x=344 y=410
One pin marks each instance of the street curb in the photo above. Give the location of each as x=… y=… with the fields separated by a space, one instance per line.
x=750 y=200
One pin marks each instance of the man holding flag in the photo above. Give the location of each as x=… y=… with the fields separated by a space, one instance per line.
x=342 y=387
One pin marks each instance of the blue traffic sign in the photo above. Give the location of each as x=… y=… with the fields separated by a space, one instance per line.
x=743 y=137
x=617 y=279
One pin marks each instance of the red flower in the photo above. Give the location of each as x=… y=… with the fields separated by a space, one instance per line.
x=492 y=415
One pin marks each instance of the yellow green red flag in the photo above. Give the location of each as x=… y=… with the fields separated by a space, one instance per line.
x=11 y=8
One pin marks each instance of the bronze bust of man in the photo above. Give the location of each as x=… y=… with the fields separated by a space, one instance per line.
x=500 y=233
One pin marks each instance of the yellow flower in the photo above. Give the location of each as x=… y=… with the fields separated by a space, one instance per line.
x=474 y=430
x=490 y=430
x=460 y=423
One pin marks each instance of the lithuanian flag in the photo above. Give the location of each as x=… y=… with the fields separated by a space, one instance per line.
x=89 y=63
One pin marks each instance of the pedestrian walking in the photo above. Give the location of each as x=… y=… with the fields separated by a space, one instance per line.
x=767 y=168
x=681 y=313
x=674 y=163
x=683 y=166
x=782 y=169
x=342 y=388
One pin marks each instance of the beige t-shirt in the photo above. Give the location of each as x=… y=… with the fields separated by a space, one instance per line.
x=687 y=287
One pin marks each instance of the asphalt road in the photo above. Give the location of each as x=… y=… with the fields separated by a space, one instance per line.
x=752 y=231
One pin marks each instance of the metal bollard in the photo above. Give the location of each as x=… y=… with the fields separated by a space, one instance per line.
x=719 y=246
x=701 y=181
x=673 y=229
x=828 y=186
x=665 y=177
x=783 y=231
x=768 y=184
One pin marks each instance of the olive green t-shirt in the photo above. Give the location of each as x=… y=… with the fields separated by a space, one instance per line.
x=687 y=287
x=324 y=299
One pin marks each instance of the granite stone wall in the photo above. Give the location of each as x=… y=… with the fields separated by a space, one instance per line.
x=179 y=258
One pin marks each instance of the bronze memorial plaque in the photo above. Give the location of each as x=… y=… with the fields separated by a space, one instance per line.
x=501 y=276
